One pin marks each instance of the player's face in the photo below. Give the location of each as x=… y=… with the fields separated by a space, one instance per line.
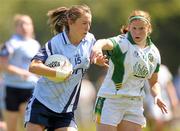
x=139 y=30
x=25 y=27
x=81 y=26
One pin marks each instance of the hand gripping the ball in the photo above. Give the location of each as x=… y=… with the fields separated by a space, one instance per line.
x=62 y=66
x=61 y=75
x=64 y=73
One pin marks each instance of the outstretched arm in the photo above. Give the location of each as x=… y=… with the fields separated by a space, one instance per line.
x=97 y=56
x=156 y=92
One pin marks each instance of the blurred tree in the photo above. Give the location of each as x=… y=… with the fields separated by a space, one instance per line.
x=107 y=20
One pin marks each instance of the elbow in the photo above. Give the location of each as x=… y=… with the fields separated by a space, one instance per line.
x=31 y=68
x=153 y=83
x=153 y=80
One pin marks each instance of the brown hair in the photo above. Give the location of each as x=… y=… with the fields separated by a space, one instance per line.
x=58 y=18
x=137 y=13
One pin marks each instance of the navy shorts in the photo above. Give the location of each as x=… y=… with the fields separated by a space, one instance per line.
x=15 y=97
x=37 y=113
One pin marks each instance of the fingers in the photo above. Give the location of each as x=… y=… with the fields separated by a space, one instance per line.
x=94 y=55
x=101 y=61
x=98 y=58
x=164 y=110
x=106 y=65
x=162 y=106
x=105 y=61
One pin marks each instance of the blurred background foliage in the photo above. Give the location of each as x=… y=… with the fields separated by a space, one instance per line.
x=108 y=17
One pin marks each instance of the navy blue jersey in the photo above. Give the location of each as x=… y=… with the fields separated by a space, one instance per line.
x=63 y=97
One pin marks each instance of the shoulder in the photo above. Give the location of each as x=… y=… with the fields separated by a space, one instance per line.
x=155 y=51
x=120 y=41
x=55 y=40
x=154 y=56
x=55 y=44
x=57 y=37
x=117 y=37
x=154 y=48
x=13 y=42
x=90 y=37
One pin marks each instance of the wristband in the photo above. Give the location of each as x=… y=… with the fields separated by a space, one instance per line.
x=62 y=74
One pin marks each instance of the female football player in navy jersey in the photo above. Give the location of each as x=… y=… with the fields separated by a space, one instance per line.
x=15 y=57
x=53 y=103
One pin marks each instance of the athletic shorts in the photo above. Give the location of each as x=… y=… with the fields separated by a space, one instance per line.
x=112 y=111
x=15 y=97
x=37 y=113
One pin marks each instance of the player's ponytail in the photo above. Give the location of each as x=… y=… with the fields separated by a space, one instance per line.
x=58 y=19
x=124 y=29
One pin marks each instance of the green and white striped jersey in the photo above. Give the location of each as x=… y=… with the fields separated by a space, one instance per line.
x=129 y=67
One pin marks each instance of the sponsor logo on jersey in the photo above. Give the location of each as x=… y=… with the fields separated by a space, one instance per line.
x=139 y=70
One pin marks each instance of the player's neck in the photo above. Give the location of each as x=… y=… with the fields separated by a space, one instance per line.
x=74 y=38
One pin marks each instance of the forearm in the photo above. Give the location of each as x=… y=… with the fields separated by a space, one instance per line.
x=41 y=69
x=15 y=70
x=155 y=87
x=155 y=90
x=103 y=44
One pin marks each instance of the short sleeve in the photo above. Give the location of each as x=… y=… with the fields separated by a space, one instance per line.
x=4 y=51
x=44 y=52
x=157 y=68
x=119 y=45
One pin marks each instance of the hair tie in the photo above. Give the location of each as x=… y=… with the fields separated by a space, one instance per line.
x=138 y=17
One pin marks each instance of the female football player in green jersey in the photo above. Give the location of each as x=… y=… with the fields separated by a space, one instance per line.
x=133 y=58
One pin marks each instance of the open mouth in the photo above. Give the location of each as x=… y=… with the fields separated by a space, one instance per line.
x=137 y=37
